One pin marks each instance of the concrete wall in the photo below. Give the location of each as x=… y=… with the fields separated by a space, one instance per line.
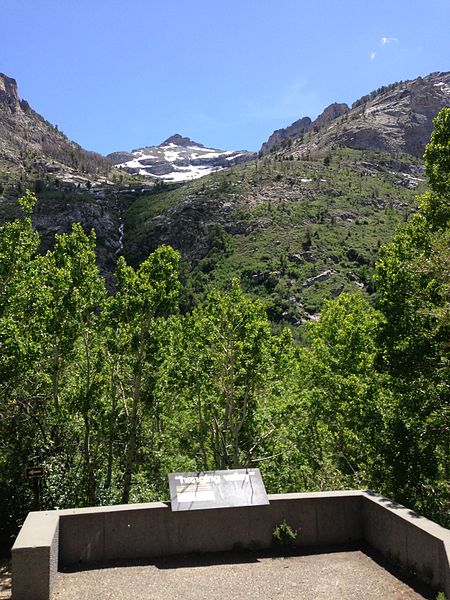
x=408 y=539
x=147 y=530
x=87 y=535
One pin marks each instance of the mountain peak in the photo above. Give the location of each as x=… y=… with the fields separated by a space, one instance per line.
x=179 y=140
x=331 y=112
x=8 y=92
x=178 y=159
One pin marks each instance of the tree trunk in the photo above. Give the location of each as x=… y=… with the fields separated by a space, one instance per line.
x=112 y=420
x=88 y=460
x=131 y=448
x=87 y=423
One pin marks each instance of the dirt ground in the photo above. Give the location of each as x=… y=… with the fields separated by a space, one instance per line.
x=5 y=579
x=350 y=575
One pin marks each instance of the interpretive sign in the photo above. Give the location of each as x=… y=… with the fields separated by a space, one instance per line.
x=216 y=489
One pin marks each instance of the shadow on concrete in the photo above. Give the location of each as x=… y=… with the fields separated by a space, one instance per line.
x=392 y=504
x=399 y=573
x=5 y=578
x=243 y=556
x=207 y=559
x=247 y=556
x=169 y=562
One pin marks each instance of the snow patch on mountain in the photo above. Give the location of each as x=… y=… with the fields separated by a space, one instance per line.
x=178 y=159
x=443 y=86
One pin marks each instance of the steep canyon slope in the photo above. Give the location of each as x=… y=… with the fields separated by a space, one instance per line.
x=32 y=148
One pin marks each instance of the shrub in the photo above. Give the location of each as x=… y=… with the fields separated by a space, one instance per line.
x=283 y=536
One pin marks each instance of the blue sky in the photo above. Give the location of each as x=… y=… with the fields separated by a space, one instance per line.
x=117 y=75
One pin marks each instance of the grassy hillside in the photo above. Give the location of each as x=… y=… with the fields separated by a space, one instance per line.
x=278 y=222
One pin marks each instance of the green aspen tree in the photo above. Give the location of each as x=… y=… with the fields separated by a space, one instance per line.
x=142 y=297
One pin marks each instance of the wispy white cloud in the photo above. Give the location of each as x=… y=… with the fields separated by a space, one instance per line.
x=385 y=41
x=293 y=94
x=372 y=55
x=293 y=102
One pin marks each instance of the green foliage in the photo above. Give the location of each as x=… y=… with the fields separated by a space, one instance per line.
x=28 y=202
x=283 y=536
x=437 y=154
x=346 y=396
x=413 y=286
x=143 y=297
x=226 y=360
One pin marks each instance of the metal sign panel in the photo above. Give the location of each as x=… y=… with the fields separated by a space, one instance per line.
x=34 y=472
x=216 y=489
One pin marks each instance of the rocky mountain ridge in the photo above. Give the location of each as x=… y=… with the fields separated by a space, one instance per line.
x=178 y=159
x=394 y=118
x=303 y=125
x=32 y=148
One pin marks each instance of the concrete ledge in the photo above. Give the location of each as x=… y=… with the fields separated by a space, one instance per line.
x=98 y=534
x=35 y=556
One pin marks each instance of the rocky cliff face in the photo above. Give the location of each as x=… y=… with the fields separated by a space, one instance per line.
x=8 y=93
x=281 y=137
x=398 y=119
x=395 y=118
x=332 y=112
x=178 y=159
x=32 y=148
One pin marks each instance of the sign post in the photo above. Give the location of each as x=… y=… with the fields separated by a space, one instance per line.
x=216 y=489
x=36 y=474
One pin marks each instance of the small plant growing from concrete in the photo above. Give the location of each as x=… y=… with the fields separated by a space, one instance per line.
x=283 y=536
